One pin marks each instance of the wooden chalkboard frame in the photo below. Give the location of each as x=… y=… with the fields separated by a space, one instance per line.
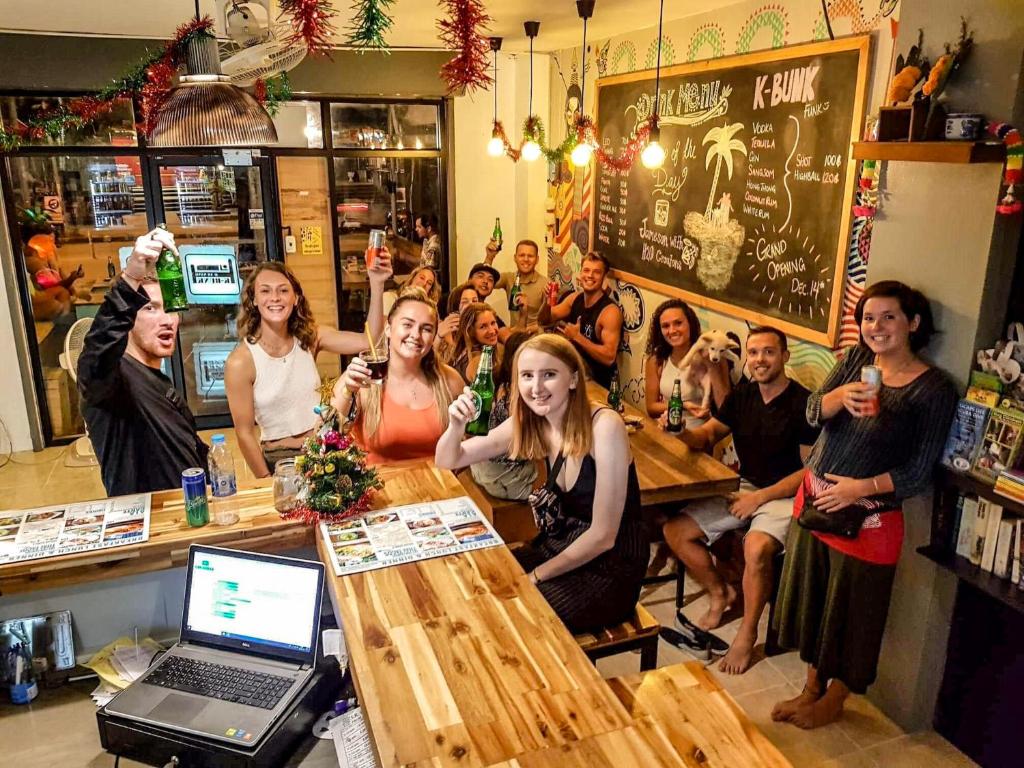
x=859 y=43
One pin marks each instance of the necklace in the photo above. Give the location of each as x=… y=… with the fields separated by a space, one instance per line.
x=277 y=353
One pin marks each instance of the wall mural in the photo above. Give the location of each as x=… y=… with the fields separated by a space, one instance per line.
x=753 y=26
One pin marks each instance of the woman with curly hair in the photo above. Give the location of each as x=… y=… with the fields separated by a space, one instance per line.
x=478 y=328
x=271 y=377
x=674 y=329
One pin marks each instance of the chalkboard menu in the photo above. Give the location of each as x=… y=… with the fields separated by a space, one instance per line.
x=750 y=213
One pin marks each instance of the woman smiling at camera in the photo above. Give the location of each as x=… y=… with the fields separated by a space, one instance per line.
x=878 y=446
x=478 y=328
x=591 y=553
x=271 y=378
x=403 y=416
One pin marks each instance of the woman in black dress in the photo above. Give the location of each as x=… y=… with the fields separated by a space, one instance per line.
x=591 y=554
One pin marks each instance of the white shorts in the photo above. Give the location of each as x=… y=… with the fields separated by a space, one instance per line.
x=712 y=515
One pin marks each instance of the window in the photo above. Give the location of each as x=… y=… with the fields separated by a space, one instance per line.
x=384 y=126
x=298 y=125
x=115 y=128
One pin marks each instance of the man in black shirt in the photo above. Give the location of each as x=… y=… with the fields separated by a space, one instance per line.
x=590 y=319
x=767 y=419
x=143 y=432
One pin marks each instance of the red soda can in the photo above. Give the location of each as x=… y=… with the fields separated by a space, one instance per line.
x=872 y=374
x=552 y=292
x=374 y=246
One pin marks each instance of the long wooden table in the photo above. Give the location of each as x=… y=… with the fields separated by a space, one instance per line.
x=459 y=661
x=668 y=471
x=259 y=528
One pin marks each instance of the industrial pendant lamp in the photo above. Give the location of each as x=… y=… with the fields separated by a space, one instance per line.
x=206 y=110
x=495 y=147
x=653 y=155
x=584 y=150
x=531 y=149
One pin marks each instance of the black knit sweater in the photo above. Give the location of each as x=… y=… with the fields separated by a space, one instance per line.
x=905 y=439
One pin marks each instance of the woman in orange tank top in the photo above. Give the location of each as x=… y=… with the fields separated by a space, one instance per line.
x=403 y=417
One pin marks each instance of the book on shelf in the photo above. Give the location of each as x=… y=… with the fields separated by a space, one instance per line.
x=993 y=516
x=985 y=397
x=965 y=528
x=1000 y=444
x=1015 y=569
x=978 y=537
x=983 y=380
x=1004 y=548
x=965 y=435
x=1010 y=483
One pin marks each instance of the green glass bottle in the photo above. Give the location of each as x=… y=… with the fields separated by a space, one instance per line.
x=171 y=275
x=615 y=393
x=675 y=408
x=496 y=234
x=483 y=394
x=513 y=293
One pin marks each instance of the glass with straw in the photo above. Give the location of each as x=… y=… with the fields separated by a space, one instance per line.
x=376 y=360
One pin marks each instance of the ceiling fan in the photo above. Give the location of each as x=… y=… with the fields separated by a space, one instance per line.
x=258 y=47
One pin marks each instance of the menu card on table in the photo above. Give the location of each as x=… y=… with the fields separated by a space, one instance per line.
x=64 y=529
x=405 y=534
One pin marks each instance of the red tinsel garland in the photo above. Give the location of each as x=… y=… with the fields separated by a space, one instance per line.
x=159 y=78
x=311 y=23
x=464 y=30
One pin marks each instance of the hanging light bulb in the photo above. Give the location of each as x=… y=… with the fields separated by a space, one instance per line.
x=495 y=147
x=653 y=155
x=582 y=153
x=531 y=151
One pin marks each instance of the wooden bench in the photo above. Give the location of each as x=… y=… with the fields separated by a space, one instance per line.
x=513 y=520
x=640 y=632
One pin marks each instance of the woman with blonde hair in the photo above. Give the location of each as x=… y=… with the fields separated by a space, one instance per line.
x=403 y=416
x=423 y=278
x=590 y=556
x=271 y=377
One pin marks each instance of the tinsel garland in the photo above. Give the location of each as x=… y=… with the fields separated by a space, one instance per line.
x=311 y=22
x=148 y=83
x=273 y=91
x=1010 y=137
x=464 y=30
x=533 y=128
x=369 y=23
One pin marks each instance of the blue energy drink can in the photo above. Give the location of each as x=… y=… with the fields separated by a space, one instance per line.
x=193 y=484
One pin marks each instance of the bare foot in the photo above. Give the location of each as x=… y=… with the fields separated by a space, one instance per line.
x=660 y=560
x=737 y=660
x=719 y=605
x=825 y=710
x=784 y=710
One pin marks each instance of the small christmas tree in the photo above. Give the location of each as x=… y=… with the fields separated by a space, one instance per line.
x=337 y=483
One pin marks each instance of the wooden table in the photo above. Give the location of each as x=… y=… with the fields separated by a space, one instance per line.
x=259 y=527
x=459 y=661
x=669 y=471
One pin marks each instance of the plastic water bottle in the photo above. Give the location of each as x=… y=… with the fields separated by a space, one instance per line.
x=222 y=469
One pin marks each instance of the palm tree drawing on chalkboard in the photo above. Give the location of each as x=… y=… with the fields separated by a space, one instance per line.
x=719 y=235
x=722 y=146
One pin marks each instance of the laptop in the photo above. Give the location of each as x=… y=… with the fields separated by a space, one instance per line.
x=248 y=645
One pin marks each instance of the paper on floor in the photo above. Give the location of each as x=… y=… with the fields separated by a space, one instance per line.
x=352 y=741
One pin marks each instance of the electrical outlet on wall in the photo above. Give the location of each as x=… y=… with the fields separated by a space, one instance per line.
x=289 y=243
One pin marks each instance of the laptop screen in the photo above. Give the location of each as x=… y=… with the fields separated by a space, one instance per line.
x=252 y=602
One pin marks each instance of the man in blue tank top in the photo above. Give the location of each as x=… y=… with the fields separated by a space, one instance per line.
x=590 y=319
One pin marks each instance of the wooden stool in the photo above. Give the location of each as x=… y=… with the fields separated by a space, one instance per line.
x=641 y=631
x=513 y=520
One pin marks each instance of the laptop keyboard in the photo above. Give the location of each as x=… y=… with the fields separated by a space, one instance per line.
x=216 y=681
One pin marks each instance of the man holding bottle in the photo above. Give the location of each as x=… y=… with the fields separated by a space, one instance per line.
x=766 y=417
x=526 y=286
x=143 y=432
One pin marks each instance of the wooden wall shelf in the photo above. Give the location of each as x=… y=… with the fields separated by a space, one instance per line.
x=930 y=151
x=1003 y=590
x=967 y=484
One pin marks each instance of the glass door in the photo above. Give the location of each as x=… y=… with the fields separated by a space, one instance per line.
x=219 y=215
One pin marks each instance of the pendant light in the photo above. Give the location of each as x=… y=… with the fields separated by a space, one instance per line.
x=495 y=147
x=653 y=155
x=584 y=150
x=531 y=149
x=206 y=110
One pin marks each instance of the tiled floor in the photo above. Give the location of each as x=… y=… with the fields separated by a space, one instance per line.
x=862 y=738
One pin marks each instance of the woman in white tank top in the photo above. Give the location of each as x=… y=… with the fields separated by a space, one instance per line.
x=271 y=377
x=674 y=329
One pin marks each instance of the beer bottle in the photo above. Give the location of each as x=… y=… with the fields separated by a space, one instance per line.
x=171 y=275
x=513 y=292
x=675 y=408
x=482 y=390
x=496 y=234
x=615 y=393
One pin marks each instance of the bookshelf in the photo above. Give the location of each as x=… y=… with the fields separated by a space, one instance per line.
x=993 y=586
